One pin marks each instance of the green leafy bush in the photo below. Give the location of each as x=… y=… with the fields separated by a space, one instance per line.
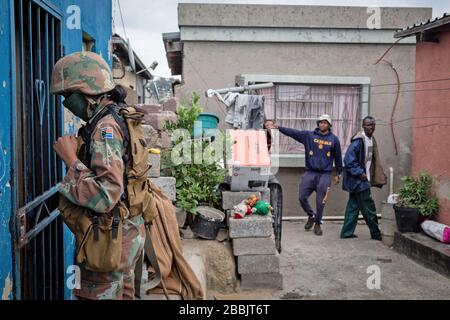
x=197 y=182
x=416 y=193
x=187 y=115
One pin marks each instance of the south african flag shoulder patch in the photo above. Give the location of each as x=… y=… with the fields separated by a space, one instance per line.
x=107 y=133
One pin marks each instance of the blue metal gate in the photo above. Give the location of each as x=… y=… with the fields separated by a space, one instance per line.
x=39 y=228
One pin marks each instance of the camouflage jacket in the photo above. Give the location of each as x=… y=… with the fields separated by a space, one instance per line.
x=99 y=186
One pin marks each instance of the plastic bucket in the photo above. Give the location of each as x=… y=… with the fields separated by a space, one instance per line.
x=207 y=223
x=204 y=122
x=407 y=219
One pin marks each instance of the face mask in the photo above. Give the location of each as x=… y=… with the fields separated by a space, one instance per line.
x=78 y=105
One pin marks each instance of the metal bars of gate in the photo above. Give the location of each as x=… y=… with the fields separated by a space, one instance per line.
x=39 y=244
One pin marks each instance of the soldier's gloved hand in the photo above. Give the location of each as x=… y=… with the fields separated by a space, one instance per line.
x=66 y=149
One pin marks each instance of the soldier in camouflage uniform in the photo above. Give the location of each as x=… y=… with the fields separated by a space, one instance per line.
x=86 y=82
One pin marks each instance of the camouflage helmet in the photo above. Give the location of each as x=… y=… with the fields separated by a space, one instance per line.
x=84 y=72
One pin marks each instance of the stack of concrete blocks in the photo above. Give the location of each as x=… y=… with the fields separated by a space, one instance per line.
x=157 y=137
x=253 y=244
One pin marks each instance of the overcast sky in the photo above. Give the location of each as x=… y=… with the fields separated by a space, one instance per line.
x=146 y=20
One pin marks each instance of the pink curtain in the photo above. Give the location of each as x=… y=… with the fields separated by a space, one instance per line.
x=299 y=107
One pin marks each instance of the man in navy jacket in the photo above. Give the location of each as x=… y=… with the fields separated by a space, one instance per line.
x=363 y=170
x=322 y=149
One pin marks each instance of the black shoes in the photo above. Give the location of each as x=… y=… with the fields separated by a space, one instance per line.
x=318 y=229
x=377 y=238
x=309 y=224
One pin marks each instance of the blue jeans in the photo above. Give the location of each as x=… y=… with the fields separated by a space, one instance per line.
x=318 y=182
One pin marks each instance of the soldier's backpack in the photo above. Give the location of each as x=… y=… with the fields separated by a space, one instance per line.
x=99 y=236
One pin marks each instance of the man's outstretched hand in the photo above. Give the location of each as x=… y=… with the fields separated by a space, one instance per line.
x=270 y=125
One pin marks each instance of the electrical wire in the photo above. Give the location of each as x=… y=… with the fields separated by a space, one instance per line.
x=379 y=93
x=386 y=122
x=416 y=118
x=414 y=90
x=121 y=17
x=387 y=51
x=394 y=108
x=409 y=82
x=406 y=83
x=114 y=16
x=397 y=97
x=418 y=127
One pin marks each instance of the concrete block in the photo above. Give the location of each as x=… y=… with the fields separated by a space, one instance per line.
x=388 y=240
x=251 y=227
x=388 y=227
x=167 y=185
x=150 y=108
x=259 y=264
x=187 y=233
x=254 y=246
x=387 y=211
x=181 y=217
x=159 y=120
x=268 y=281
x=151 y=136
x=166 y=140
x=228 y=217
x=155 y=162
x=230 y=199
x=425 y=250
x=171 y=105
x=196 y=259
x=220 y=264
x=222 y=235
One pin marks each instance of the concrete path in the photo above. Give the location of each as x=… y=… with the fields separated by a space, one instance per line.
x=330 y=268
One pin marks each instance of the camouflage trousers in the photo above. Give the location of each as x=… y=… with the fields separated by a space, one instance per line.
x=116 y=285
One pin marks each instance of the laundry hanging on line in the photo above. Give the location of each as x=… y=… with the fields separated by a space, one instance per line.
x=244 y=111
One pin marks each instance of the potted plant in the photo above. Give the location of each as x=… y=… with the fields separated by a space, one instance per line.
x=197 y=181
x=416 y=203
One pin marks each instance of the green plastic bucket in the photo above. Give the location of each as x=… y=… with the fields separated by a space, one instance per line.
x=204 y=122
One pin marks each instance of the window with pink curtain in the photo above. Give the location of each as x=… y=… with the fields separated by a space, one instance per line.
x=299 y=106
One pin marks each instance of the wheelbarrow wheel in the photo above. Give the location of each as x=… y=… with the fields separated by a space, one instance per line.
x=276 y=199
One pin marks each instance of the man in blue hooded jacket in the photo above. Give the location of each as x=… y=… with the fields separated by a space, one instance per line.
x=362 y=171
x=322 y=149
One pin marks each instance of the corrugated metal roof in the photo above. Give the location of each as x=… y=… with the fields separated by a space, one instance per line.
x=123 y=45
x=423 y=26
